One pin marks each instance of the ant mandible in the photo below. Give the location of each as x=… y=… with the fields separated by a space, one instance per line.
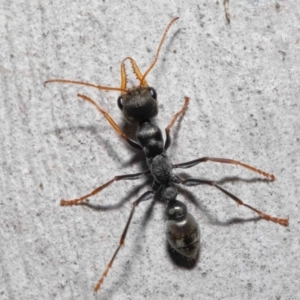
x=138 y=105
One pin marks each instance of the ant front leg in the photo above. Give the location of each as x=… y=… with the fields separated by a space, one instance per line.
x=181 y=112
x=131 y=142
x=146 y=196
x=102 y=187
x=194 y=182
x=192 y=163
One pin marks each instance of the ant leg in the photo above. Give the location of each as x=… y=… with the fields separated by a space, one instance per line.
x=146 y=196
x=102 y=187
x=192 y=163
x=131 y=142
x=193 y=182
x=181 y=112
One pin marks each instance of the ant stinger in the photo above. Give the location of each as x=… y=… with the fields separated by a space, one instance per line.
x=139 y=105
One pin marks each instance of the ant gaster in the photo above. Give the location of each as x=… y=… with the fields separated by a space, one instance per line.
x=139 y=105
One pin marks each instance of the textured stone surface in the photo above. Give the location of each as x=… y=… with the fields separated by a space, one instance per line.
x=243 y=80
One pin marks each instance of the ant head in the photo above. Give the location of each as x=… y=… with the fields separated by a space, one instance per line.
x=139 y=103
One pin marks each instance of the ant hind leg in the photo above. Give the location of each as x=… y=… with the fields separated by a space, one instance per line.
x=146 y=196
x=194 y=182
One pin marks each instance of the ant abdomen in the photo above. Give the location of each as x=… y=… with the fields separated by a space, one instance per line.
x=182 y=230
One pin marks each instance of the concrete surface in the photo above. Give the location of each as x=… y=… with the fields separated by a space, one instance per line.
x=243 y=79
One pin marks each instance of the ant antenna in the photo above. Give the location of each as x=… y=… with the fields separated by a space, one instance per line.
x=158 y=50
x=99 y=87
x=122 y=89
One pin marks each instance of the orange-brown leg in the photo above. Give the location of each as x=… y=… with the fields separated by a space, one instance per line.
x=102 y=187
x=146 y=196
x=194 y=182
x=192 y=163
x=131 y=142
x=181 y=112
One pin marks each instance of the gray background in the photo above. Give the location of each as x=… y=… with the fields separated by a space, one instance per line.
x=243 y=80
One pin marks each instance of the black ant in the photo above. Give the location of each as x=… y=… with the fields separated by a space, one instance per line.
x=138 y=105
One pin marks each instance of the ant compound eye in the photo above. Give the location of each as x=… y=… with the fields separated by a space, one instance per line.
x=153 y=93
x=120 y=102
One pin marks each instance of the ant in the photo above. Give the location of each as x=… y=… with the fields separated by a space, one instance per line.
x=139 y=105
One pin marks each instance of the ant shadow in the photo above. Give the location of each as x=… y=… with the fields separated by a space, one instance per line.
x=137 y=157
x=176 y=258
